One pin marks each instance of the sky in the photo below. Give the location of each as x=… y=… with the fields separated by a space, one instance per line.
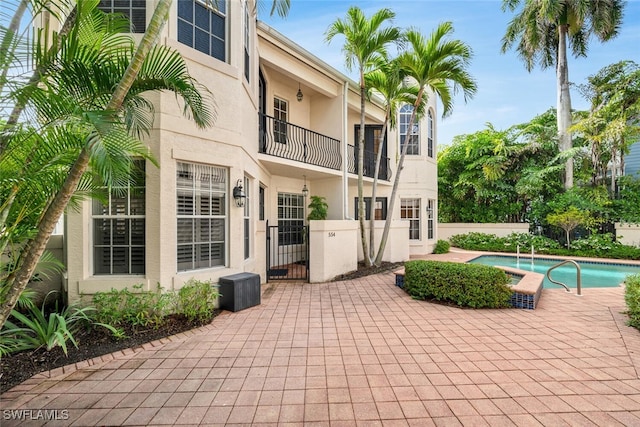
x=507 y=93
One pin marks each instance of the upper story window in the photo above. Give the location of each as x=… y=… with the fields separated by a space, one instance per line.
x=135 y=10
x=281 y=115
x=430 y=134
x=202 y=25
x=247 y=57
x=405 y=117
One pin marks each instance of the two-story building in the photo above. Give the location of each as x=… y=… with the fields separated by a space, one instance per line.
x=233 y=198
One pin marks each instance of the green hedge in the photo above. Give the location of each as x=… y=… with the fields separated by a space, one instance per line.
x=632 y=299
x=594 y=246
x=441 y=247
x=467 y=285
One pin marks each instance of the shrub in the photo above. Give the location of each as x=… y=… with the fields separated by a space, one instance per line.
x=136 y=308
x=632 y=299
x=441 y=247
x=196 y=300
x=467 y=285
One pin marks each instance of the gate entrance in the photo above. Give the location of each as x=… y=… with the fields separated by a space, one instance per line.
x=287 y=252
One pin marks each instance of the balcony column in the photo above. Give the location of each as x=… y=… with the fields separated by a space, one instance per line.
x=345 y=161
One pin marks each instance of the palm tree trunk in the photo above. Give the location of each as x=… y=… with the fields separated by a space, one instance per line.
x=17 y=282
x=396 y=180
x=564 y=104
x=11 y=32
x=375 y=186
x=361 y=211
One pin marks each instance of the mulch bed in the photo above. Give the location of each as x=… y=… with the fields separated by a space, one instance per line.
x=91 y=343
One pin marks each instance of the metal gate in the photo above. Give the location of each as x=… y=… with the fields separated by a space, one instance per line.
x=287 y=251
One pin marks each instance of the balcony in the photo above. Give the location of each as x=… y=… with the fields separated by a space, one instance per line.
x=288 y=141
x=369 y=163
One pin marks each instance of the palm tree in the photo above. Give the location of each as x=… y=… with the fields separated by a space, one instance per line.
x=542 y=30
x=365 y=47
x=387 y=82
x=439 y=65
x=79 y=102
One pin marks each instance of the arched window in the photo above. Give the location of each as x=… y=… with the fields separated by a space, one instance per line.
x=414 y=142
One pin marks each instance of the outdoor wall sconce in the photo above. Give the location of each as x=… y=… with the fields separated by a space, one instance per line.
x=299 y=95
x=305 y=190
x=238 y=194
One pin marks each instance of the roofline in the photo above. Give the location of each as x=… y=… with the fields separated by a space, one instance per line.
x=328 y=69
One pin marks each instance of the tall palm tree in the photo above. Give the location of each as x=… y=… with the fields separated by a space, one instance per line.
x=387 y=82
x=365 y=46
x=80 y=98
x=543 y=28
x=435 y=64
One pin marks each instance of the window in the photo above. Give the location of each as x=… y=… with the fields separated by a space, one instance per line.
x=119 y=228
x=201 y=212
x=261 y=196
x=280 y=115
x=380 y=208
x=414 y=143
x=245 y=6
x=430 y=134
x=247 y=218
x=372 y=140
x=430 y=216
x=290 y=219
x=135 y=10
x=202 y=26
x=410 y=210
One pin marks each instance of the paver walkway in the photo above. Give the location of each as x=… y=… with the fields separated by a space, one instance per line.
x=363 y=353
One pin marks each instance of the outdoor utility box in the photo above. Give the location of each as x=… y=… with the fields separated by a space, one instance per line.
x=239 y=291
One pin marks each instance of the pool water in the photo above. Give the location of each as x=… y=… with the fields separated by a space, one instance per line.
x=594 y=274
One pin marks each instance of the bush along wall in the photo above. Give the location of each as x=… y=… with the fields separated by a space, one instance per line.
x=632 y=299
x=466 y=285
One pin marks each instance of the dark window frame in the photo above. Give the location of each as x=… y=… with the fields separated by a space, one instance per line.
x=367 y=208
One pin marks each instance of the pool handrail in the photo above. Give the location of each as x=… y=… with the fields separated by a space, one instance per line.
x=578 y=275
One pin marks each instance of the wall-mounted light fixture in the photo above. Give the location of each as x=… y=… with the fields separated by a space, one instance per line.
x=238 y=194
x=305 y=190
x=299 y=95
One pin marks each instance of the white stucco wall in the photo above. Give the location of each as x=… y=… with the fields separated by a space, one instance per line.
x=446 y=230
x=628 y=234
x=332 y=249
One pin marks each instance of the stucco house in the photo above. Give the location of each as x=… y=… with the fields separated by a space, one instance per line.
x=233 y=198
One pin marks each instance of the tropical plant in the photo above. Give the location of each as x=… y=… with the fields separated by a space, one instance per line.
x=91 y=110
x=434 y=64
x=40 y=328
x=612 y=123
x=365 y=47
x=317 y=208
x=542 y=29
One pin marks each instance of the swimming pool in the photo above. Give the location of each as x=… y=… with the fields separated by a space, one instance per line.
x=594 y=274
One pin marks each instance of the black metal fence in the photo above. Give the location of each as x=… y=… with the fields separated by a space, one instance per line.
x=287 y=252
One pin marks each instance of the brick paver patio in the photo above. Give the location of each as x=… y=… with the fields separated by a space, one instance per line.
x=363 y=353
